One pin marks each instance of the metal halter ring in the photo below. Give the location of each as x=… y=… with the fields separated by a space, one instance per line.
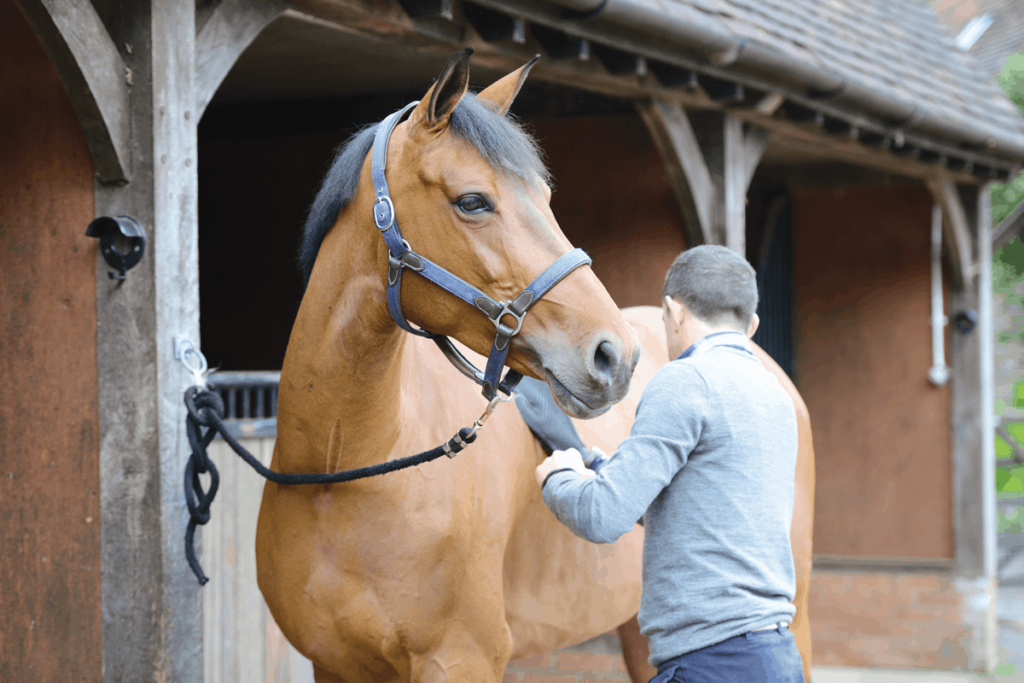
x=378 y=218
x=506 y=309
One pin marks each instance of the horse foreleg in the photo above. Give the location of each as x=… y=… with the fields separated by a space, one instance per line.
x=635 y=652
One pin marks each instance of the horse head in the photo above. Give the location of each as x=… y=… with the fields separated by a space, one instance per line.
x=470 y=190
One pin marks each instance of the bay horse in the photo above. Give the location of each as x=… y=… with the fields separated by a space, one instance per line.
x=445 y=571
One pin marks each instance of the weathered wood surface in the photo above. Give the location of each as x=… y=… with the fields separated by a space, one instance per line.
x=710 y=168
x=973 y=434
x=956 y=233
x=152 y=626
x=49 y=470
x=233 y=25
x=680 y=152
x=94 y=76
x=241 y=642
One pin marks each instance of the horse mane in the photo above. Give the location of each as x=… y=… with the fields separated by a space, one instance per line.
x=500 y=140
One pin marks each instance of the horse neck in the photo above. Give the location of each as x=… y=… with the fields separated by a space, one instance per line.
x=341 y=380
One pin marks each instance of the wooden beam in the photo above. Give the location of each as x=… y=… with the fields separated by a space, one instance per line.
x=973 y=433
x=734 y=195
x=152 y=605
x=231 y=28
x=710 y=162
x=1008 y=228
x=956 y=231
x=688 y=173
x=94 y=76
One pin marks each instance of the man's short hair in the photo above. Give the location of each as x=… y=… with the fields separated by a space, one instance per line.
x=716 y=284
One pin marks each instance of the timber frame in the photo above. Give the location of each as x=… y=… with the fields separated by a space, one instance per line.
x=139 y=90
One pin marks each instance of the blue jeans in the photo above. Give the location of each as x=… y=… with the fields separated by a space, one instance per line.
x=755 y=657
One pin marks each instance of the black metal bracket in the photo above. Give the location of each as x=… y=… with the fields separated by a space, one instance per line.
x=966 y=320
x=122 y=241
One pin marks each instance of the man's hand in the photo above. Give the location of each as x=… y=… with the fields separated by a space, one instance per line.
x=560 y=460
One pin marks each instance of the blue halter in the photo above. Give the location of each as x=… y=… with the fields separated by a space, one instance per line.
x=401 y=256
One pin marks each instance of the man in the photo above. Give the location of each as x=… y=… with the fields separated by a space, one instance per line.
x=709 y=467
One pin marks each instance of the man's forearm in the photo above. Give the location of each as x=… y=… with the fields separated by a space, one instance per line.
x=587 y=507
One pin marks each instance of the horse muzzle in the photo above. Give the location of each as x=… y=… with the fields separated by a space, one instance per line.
x=587 y=384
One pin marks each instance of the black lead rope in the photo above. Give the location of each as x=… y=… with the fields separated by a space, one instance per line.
x=206 y=410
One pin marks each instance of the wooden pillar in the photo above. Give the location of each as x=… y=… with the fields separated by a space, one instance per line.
x=152 y=626
x=710 y=158
x=968 y=212
x=132 y=79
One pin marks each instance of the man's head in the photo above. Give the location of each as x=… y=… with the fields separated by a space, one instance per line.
x=708 y=289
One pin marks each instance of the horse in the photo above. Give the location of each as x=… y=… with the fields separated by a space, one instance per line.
x=445 y=571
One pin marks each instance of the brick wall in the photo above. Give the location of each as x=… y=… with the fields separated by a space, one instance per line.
x=887 y=620
x=597 y=660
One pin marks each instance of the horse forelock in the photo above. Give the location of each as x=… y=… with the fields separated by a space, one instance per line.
x=500 y=140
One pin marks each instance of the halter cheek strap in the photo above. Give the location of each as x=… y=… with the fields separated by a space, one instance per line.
x=401 y=256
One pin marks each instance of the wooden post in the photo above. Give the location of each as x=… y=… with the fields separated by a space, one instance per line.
x=152 y=625
x=974 y=525
x=709 y=163
x=133 y=84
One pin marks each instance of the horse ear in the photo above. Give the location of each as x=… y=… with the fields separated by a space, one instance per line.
x=501 y=93
x=437 y=105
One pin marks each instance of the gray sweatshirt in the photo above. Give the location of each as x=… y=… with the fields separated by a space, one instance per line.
x=709 y=466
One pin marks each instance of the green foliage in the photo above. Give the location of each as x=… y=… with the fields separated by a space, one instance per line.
x=1011 y=79
x=1008 y=281
x=1006 y=197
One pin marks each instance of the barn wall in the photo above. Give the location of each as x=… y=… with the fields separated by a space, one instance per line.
x=881 y=431
x=49 y=469
x=612 y=199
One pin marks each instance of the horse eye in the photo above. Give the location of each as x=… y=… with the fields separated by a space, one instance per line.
x=472 y=203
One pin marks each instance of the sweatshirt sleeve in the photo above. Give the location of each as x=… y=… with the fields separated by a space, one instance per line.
x=669 y=422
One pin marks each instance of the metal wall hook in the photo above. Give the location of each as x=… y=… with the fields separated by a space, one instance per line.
x=122 y=242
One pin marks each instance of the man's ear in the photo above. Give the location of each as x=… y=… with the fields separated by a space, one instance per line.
x=502 y=92
x=676 y=311
x=755 y=322
x=436 y=107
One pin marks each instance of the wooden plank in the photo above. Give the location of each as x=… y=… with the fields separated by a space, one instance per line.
x=1008 y=228
x=956 y=232
x=688 y=173
x=241 y=641
x=94 y=76
x=233 y=25
x=50 y=571
x=152 y=609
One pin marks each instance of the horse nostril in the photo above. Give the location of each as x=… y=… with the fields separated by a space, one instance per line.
x=606 y=360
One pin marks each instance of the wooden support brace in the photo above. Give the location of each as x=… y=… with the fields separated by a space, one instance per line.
x=229 y=31
x=687 y=171
x=710 y=180
x=94 y=76
x=956 y=230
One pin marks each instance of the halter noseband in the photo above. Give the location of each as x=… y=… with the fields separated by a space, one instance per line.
x=401 y=256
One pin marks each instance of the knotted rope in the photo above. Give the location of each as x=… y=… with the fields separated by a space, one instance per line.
x=206 y=410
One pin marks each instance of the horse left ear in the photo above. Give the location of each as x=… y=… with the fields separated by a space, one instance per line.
x=437 y=105
x=501 y=93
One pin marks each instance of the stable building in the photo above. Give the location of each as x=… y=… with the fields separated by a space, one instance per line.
x=844 y=148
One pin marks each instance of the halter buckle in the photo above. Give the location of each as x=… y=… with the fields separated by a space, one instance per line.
x=383 y=218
